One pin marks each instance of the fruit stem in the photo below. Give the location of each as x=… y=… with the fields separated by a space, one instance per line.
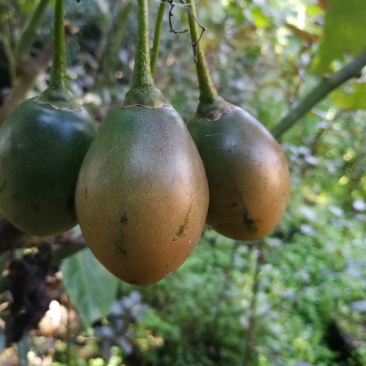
x=143 y=91
x=157 y=37
x=58 y=93
x=208 y=93
x=58 y=78
x=142 y=77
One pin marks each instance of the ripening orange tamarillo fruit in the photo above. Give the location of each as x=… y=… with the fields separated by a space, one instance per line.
x=142 y=193
x=247 y=172
x=42 y=145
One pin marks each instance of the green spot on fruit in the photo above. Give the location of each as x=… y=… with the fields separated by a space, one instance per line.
x=124 y=219
x=120 y=248
x=3 y=186
x=184 y=226
x=248 y=221
x=70 y=204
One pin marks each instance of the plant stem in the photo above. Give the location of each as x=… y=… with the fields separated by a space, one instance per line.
x=25 y=81
x=143 y=91
x=326 y=86
x=109 y=58
x=67 y=249
x=58 y=78
x=25 y=42
x=157 y=37
x=6 y=41
x=249 y=344
x=208 y=93
x=142 y=77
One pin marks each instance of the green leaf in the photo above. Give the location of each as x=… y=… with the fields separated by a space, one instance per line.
x=353 y=98
x=344 y=32
x=90 y=286
x=2 y=340
x=260 y=19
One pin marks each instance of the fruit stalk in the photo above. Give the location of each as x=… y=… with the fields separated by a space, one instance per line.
x=157 y=37
x=143 y=90
x=142 y=77
x=58 y=93
x=208 y=92
x=58 y=78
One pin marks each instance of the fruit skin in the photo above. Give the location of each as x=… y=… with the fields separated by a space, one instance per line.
x=142 y=194
x=247 y=174
x=41 y=151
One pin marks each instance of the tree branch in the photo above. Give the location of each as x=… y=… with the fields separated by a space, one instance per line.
x=353 y=69
x=30 y=70
x=67 y=249
x=157 y=36
x=249 y=344
x=25 y=43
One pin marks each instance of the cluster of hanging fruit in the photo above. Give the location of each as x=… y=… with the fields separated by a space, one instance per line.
x=143 y=187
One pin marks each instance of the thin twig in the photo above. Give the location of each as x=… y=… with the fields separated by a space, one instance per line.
x=191 y=14
x=249 y=344
x=203 y=29
x=157 y=37
x=172 y=30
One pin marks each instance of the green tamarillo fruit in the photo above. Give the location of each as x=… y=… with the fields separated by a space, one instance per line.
x=247 y=172
x=142 y=193
x=42 y=145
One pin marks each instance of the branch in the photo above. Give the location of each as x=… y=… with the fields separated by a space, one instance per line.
x=25 y=43
x=353 y=69
x=109 y=57
x=249 y=344
x=30 y=70
x=66 y=248
x=157 y=37
x=6 y=41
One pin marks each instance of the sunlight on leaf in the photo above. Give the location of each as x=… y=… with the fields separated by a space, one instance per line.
x=344 y=32
x=350 y=100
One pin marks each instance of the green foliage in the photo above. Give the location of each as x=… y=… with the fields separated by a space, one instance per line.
x=344 y=32
x=351 y=98
x=91 y=287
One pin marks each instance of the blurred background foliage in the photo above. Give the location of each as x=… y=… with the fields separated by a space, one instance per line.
x=298 y=298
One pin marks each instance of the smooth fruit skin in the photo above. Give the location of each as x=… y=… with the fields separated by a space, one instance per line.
x=41 y=151
x=247 y=174
x=142 y=194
